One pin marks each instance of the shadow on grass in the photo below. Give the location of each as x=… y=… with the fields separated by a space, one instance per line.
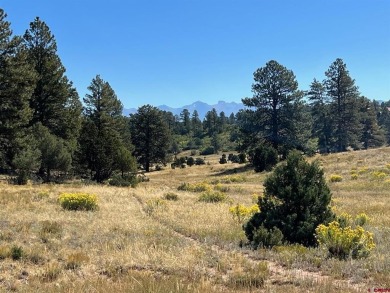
x=237 y=170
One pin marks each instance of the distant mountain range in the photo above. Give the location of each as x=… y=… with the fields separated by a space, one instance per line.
x=199 y=106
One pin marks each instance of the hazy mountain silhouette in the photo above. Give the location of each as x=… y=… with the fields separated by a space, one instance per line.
x=201 y=107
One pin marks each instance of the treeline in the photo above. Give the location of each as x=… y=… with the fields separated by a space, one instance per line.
x=46 y=131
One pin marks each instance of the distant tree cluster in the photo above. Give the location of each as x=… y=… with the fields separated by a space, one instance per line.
x=334 y=117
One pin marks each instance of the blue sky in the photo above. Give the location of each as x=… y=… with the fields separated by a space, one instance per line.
x=175 y=52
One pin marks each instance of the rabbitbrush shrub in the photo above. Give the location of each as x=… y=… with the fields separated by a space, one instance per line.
x=212 y=196
x=344 y=242
x=78 y=201
x=240 y=213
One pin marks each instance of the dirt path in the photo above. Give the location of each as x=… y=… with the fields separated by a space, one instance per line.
x=279 y=275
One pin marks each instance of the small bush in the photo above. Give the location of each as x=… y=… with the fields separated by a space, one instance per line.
x=197 y=187
x=344 y=220
x=22 y=178
x=75 y=260
x=222 y=188
x=264 y=158
x=264 y=238
x=212 y=196
x=190 y=161
x=199 y=161
x=242 y=158
x=241 y=213
x=296 y=200
x=354 y=176
x=378 y=175
x=363 y=170
x=78 y=201
x=125 y=181
x=335 y=178
x=16 y=252
x=234 y=159
x=171 y=196
x=223 y=160
x=345 y=242
x=361 y=219
x=153 y=205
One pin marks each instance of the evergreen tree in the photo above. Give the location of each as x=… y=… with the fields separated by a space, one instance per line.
x=100 y=138
x=54 y=102
x=150 y=136
x=54 y=154
x=222 y=122
x=321 y=113
x=372 y=135
x=278 y=106
x=196 y=124
x=210 y=123
x=16 y=86
x=384 y=120
x=185 y=122
x=344 y=94
x=296 y=200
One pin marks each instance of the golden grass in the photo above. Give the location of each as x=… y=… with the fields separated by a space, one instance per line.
x=137 y=241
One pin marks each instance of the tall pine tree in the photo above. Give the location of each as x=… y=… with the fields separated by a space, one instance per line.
x=150 y=135
x=278 y=106
x=54 y=102
x=100 y=139
x=16 y=86
x=344 y=95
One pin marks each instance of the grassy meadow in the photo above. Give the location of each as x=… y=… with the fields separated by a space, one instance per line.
x=156 y=238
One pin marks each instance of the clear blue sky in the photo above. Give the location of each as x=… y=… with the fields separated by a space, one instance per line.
x=176 y=52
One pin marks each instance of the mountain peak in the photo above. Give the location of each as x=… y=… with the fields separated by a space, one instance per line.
x=201 y=107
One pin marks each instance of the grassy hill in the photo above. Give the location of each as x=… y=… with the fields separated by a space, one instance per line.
x=138 y=241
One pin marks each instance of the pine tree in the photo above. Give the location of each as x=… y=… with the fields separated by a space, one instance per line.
x=100 y=138
x=16 y=85
x=296 y=200
x=278 y=105
x=54 y=102
x=196 y=124
x=344 y=94
x=372 y=135
x=150 y=136
x=321 y=113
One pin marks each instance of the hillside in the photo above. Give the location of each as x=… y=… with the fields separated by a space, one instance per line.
x=137 y=241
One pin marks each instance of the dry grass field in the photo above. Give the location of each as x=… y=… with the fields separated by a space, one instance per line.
x=138 y=241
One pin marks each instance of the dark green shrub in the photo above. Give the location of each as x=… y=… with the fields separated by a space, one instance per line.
x=16 y=252
x=241 y=158
x=125 y=181
x=207 y=151
x=296 y=200
x=267 y=238
x=190 y=161
x=264 y=158
x=223 y=160
x=171 y=196
x=22 y=178
x=199 y=161
x=235 y=159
